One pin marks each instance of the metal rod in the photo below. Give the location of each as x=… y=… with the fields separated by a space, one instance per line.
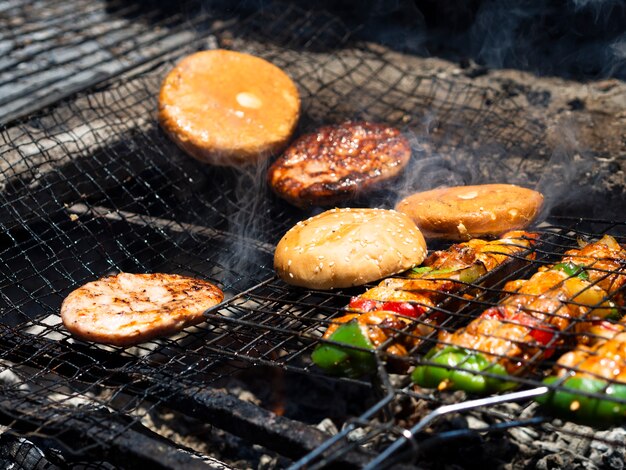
x=408 y=435
x=132 y=445
x=171 y=388
x=319 y=451
x=57 y=95
x=166 y=224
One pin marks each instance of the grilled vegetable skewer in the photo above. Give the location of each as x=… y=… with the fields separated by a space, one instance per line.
x=407 y=304
x=522 y=329
x=598 y=370
x=598 y=363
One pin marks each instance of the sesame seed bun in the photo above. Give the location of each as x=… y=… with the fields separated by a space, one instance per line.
x=348 y=247
x=464 y=212
x=228 y=108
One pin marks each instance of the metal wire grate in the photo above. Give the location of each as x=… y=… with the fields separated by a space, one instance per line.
x=53 y=49
x=399 y=434
x=91 y=186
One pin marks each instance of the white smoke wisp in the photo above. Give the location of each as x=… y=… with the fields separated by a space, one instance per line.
x=248 y=219
x=617 y=57
x=433 y=164
x=495 y=32
x=601 y=10
x=568 y=164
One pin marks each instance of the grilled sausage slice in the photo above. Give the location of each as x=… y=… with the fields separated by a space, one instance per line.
x=338 y=162
x=128 y=309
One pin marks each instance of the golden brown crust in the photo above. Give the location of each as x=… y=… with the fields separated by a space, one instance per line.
x=127 y=309
x=337 y=162
x=348 y=247
x=464 y=212
x=228 y=108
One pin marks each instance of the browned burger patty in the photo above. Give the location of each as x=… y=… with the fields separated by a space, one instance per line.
x=337 y=162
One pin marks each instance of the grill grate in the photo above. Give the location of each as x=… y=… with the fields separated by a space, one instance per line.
x=52 y=49
x=91 y=186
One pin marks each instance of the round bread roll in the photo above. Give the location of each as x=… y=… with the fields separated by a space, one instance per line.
x=228 y=108
x=348 y=247
x=464 y=212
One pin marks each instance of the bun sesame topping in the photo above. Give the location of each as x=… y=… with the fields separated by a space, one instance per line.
x=348 y=247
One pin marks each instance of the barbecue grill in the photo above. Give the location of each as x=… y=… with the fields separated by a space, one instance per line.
x=91 y=186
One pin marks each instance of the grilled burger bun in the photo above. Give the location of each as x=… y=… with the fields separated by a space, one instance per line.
x=464 y=212
x=127 y=309
x=348 y=247
x=338 y=162
x=228 y=108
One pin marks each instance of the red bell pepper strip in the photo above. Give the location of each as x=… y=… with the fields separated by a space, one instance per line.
x=385 y=310
x=525 y=329
x=598 y=364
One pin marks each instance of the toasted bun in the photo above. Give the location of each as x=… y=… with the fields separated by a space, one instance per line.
x=348 y=247
x=464 y=212
x=227 y=108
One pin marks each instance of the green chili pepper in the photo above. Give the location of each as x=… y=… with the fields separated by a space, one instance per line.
x=466 y=274
x=421 y=270
x=614 y=313
x=572 y=269
x=461 y=371
x=570 y=401
x=349 y=362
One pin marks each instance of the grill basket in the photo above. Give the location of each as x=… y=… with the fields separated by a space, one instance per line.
x=91 y=186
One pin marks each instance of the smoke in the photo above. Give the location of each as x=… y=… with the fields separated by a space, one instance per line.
x=568 y=166
x=571 y=39
x=248 y=219
x=617 y=59
x=495 y=36
x=580 y=39
x=600 y=10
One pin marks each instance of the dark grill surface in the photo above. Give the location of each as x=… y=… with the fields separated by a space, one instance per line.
x=90 y=186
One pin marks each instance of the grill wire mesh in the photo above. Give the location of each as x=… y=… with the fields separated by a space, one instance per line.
x=90 y=186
